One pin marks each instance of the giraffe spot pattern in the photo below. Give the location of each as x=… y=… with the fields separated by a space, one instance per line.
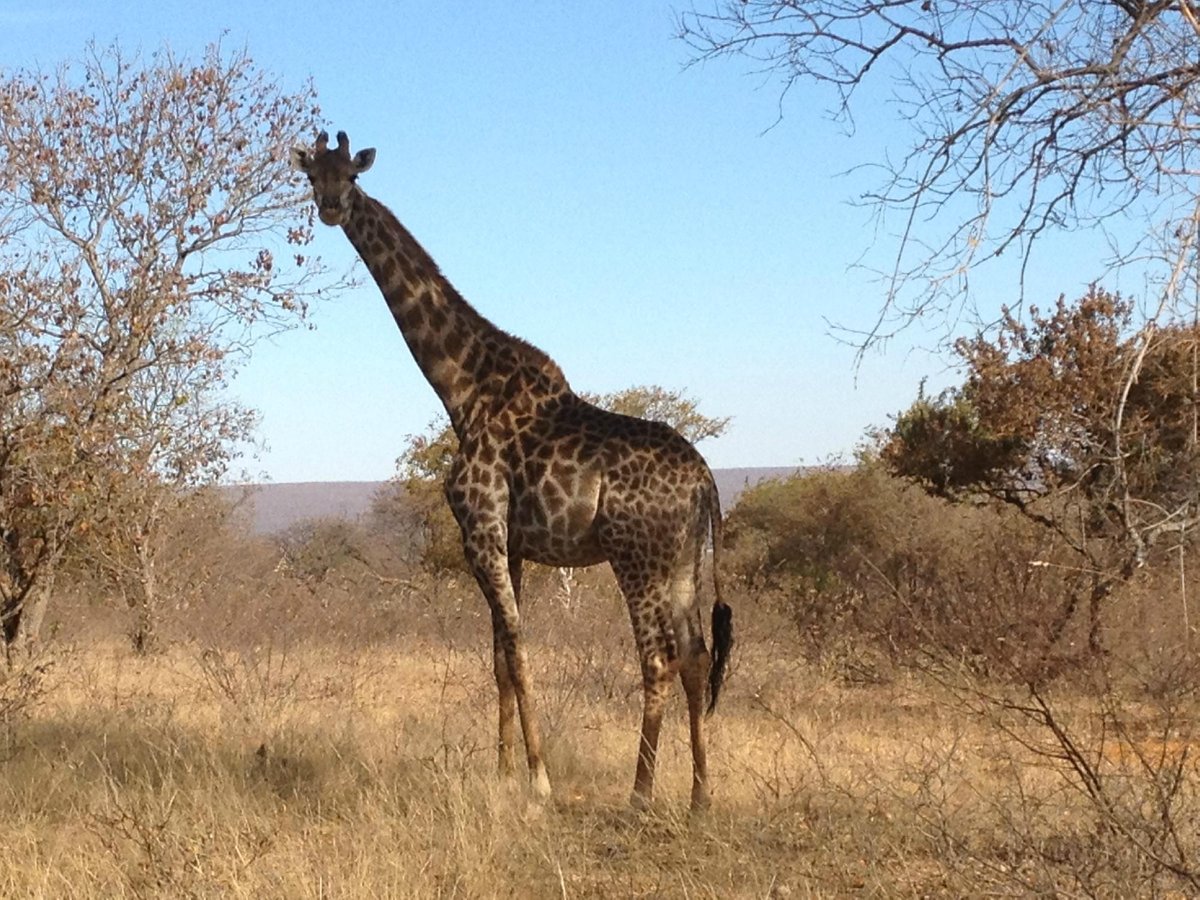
x=543 y=475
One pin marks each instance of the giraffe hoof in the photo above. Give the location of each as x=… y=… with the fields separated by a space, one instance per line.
x=534 y=809
x=539 y=783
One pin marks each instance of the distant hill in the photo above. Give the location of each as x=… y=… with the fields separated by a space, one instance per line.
x=274 y=507
x=731 y=482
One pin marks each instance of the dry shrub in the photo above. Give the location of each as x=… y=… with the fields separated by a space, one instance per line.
x=23 y=685
x=1092 y=788
x=860 y=559
x=303 y=736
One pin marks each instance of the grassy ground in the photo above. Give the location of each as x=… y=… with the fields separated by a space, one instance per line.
x=316 y=772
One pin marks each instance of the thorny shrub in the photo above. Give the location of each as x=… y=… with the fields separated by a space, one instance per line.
x=857 y=556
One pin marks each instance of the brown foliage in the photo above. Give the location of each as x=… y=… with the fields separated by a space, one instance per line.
x=151 y=231
x=1085 y=429
x=658 y=404
x=859 y=558
x=414 y=503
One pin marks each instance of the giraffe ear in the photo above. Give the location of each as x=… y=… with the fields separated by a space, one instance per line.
x=363 y=159
x=300 y=159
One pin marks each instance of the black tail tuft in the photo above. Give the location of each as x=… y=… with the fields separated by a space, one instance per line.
x=722 y=635
x=722 y=612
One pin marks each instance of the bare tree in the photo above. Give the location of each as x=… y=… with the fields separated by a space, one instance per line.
x=177 y=434
x=1026 y=117
x=150 y=232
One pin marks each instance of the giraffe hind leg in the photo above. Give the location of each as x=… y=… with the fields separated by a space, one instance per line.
x=657 y=655
x=694 y=665
x=694 y=674
x=657 y=574
x=656 y=686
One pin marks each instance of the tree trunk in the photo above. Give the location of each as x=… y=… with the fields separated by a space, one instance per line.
x=22 y=616
x=10 y=618
x=144 y=603
x=35 y=614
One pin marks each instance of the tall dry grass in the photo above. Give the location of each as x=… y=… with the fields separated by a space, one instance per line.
x=311 y=769
x=337 y=741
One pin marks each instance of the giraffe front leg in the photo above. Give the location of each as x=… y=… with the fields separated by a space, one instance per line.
x=518 y=666
x=483 y=519
x=499 y=581
x=508 y=700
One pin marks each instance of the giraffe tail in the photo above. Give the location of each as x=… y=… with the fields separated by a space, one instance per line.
x=722 y=613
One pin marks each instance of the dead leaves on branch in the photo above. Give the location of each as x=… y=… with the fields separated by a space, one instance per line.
x=145 y=209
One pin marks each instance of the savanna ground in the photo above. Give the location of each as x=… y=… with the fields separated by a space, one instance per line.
x=241 y=762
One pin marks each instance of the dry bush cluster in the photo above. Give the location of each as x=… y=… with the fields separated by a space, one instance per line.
x=864 y=562
x=331 y=732
x=859 y=559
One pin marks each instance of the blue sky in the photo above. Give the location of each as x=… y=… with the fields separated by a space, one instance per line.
x=635 y=219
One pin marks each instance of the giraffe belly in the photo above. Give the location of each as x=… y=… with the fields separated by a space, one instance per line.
x=575 y=556
x=568 y=541
x=555 y=527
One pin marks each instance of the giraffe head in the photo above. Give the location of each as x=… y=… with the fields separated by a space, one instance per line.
x=332 y=172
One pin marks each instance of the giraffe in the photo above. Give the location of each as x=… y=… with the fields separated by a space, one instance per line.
x=542 y=475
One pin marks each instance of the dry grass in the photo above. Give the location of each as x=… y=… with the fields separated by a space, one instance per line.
x=314 y=772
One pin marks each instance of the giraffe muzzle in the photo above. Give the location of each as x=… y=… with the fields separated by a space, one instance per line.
x=330 y=215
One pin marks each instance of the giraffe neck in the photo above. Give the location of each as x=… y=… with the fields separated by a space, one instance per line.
x=461 y=354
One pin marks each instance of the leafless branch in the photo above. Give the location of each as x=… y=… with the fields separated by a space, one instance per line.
x=1025 y=118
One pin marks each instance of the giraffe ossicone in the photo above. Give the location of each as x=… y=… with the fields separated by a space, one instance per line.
x=543 y=475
